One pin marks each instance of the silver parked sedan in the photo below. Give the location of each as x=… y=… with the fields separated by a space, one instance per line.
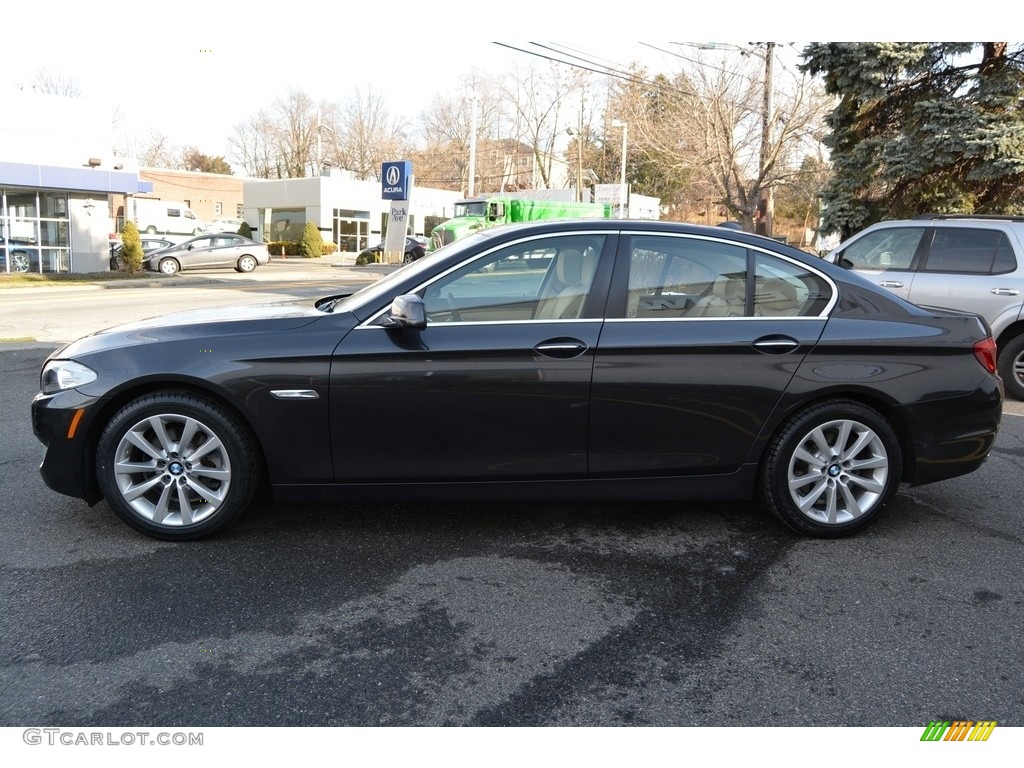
x=209 y=251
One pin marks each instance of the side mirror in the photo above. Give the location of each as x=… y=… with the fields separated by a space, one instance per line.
x=407 y=311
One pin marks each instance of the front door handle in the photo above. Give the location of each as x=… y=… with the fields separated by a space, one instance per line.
x=563 y=349
x=891 y=284
x=1005 y=292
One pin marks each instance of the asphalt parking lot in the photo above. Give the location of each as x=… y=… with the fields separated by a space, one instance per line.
x=502 y=614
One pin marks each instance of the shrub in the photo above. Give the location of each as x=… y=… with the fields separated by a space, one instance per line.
x=311 y=245
x=131 y=248
x=245 y=230
x=329 y=248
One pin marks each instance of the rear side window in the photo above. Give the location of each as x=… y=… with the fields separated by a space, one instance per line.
x=970 y=251
x=883 y=249
x=680 y=277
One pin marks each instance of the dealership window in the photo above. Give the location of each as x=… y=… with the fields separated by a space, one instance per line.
x=351 y=230
x=284 y=224
x=34 y=231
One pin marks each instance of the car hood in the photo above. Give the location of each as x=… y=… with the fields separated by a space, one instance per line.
x=198 y=323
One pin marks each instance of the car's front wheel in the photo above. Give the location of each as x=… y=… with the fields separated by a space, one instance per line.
x=176 y=465
x=169 y=266
x=1011 y=367
x=831 y=469
x=20 y=262
x=246 y=264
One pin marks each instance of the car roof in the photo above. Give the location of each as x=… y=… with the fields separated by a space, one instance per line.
x=652 y=226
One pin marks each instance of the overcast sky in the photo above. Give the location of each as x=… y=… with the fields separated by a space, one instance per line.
x=193 y=70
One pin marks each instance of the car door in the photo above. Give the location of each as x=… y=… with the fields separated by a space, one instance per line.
x=226 y=250
x=702 y=338
x=496 y=387
x=194 y=253
x=972 y=269
x=888 y=257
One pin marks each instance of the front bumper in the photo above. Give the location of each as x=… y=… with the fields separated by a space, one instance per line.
x=62 y=422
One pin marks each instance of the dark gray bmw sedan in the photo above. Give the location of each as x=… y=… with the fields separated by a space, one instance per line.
x=590 y=359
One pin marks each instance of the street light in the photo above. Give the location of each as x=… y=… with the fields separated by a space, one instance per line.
x=622 y=176
x=319 y=146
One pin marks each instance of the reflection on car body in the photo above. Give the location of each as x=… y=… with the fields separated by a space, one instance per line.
x=597 y=359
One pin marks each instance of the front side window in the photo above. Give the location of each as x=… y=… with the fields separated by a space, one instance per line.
x=884 y=249
x=970 y=251
x=543 y=279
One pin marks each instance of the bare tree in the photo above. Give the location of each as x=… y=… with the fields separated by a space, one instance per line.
x=158 y=152
x=543 y=104
x=447 y=128
x=278 y=142
x=55 y=83
x=706 y=126
x=366 y=135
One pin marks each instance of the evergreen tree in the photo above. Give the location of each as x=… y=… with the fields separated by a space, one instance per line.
x=311 y=245
x=921 y=128
x=131 y=248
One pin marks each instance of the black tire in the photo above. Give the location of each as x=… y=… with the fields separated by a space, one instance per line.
x=1011 y=368
x=246 y=263
x=831 y=469
x=196 y=474
x=169 y=266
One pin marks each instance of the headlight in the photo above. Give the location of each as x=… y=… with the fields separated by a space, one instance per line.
x=64 y=374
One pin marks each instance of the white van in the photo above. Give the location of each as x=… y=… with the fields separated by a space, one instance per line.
x=169 y=217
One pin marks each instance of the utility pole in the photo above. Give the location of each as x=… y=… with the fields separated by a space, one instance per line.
x=472 y=147
x=766 y=205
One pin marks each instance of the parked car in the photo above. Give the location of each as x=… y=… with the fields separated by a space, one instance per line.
x=625 y=360
x=209 y=251
x=415 y=248
x=973 y=263
x=224 y=225
x=149 y=244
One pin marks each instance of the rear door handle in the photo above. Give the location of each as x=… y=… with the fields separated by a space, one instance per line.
x=776 y=345
x=891 y=284
x=563 y=349
x=1005 y=292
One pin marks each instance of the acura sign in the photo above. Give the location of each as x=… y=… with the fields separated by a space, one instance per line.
x=396 y=180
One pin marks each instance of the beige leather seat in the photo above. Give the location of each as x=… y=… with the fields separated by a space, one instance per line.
x=725 y=300
x=573 y=275
x=776 y=298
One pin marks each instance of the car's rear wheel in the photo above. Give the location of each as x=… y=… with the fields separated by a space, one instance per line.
x=246 y=264
x=169 y=266
x=831 y=469
x=1011 y=367
x=176 y=466
x=408 y=258
x=150 y=230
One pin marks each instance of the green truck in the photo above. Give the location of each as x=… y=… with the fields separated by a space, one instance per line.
x=481 y=212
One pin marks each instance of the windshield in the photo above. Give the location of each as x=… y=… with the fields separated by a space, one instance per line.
x=471 y=208
x=371 y=293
